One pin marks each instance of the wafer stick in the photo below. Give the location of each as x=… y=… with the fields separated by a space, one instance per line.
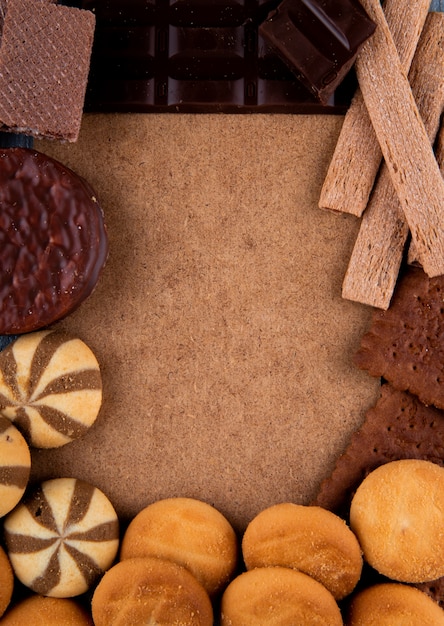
x=374 y=265
x=412 y=257
x=357 y=155
x=404 y=142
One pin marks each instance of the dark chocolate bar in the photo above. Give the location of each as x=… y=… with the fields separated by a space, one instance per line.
x=318 y=40
x=193 y=56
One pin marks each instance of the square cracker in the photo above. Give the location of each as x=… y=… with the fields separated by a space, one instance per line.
x=405 y=344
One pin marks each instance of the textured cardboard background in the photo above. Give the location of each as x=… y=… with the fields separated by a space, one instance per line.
x=224 y=343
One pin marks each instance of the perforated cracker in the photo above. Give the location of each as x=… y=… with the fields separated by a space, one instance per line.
x=405 y=344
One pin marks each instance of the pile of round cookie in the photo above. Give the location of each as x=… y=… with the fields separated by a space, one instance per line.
x=179 y=560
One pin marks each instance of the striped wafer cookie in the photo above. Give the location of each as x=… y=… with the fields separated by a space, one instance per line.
x=50 y=387
x=62 y=538
x=15 y=466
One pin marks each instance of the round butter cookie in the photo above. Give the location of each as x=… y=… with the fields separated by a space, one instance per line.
x=44 y=611
x=309 y=539
x=144 y=591
x=50 y=387
x=15 y=466
x=62 y=538
x=393 y=604
x=6 y=582
x=397 y=515
x=278 y=596
x=189 y=532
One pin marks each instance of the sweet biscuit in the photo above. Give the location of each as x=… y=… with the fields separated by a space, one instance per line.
x=6 y=582
x=189 y=532
x=273 y=596
x=50 y=387
x=43 y=611
x=150 y=591
x=309 y=539
x=397 y=516
x=405 y=343
x=62 y=537
x=15 y=466
x=393 y=604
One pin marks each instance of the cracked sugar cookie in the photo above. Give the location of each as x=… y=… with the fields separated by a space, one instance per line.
x=50 y=387
x=62 y=538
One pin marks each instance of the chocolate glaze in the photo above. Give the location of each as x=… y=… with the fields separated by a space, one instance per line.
x=53 y=240
x=197 y=56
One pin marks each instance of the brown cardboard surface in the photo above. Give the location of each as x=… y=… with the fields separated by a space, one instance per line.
x=224 y=343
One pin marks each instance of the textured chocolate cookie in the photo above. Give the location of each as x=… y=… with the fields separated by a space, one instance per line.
x=15 y=466
x=62 y=538
x=405 y=344
x=50 y=387
x=145 y=591
x=43 y=611
x=53 y=240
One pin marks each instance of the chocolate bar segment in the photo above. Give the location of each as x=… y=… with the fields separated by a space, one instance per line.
x=193 y=56
x=318 y=40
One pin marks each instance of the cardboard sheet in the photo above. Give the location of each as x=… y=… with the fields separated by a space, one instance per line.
x=224 y=343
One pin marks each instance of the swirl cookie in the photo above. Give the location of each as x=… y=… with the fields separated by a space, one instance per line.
x=397 y=515
x=150 y=591
x=62 y=538
x=15 y=466
x=43 y=611
x=6 y=582
x=53 y=241
x=309 y=539
x=272 y=596
x=393 y=604
x=189 y=532
x=50 y=387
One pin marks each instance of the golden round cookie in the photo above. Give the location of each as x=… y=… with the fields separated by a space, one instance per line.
x=278 y=596
x=397 y=515
x=44 y=611
x=188 y=532
x=147 y=590
x=6 y=581
x=15 y=465
x=309 y=539
x=394 y=604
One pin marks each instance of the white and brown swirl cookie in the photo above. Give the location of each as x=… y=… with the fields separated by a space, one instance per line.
x=62 y=538
x=15 y=466
x=50 y=387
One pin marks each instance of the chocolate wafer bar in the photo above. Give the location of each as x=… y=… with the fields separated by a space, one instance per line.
x=44 y=64
x=405 y=343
